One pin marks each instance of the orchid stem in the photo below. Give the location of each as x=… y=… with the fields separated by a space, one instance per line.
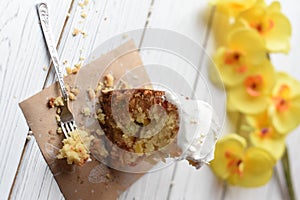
x=239 y=123
x=287 y=174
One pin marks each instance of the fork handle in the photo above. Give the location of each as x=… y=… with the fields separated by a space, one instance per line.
x=43 y=13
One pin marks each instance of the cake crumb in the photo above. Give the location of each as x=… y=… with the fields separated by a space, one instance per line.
x=76 y=147
x=108 y=80
x=78 y=65
x=28 y=137
x=86 y=111
x=65 y=62
x=75 y=70
x=68 y=87
x=75 y=91
x=83 y=3
x=84 y=34
x=57 y=117
x=75 y=32
x=91 y=93
x=83 y=15
x=45 y=68
x=58 y=110
x=59 y=130
x=58 y=102
x=99 y=132
x=68 y=70
x=108 y=176
x=72 y=97
x=50 y=103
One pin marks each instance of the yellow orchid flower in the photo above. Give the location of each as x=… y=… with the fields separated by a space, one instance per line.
x=264 y=135
x=273 y=26
x=244 y=50
x=284 y=110
x=238 y=165
x=253 y=95
x=232 y=7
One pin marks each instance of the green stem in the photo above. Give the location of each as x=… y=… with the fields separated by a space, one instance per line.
x=239 y=123
x=287 y=174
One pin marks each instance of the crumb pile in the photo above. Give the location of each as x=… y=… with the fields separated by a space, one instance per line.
x=75 y=148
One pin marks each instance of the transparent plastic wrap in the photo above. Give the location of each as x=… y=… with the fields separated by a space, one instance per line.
x=172 y=63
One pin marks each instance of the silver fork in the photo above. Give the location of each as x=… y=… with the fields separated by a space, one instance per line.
x=66 y=117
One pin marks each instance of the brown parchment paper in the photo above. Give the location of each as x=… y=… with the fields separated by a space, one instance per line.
x=94 y=180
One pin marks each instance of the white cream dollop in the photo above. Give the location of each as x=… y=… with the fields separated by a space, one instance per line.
x=199 y=130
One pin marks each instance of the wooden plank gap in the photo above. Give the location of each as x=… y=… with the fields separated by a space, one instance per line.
x=18 y=169
x=204 y=44
x=146 y=22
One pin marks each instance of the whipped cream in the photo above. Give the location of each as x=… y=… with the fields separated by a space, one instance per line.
x=199 y=130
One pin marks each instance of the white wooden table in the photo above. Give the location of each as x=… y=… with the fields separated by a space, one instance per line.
x=23 y=171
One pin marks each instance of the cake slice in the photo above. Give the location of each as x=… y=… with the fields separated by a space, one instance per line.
x=140 y=121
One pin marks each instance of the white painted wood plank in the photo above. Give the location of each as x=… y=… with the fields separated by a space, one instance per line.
x=190 y=183
x=104 y=19
x=38 y=187
x=153 y=185
x=21 y=75
x=184 y=18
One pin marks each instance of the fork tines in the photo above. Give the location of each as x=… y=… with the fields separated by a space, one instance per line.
x=68 y=127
